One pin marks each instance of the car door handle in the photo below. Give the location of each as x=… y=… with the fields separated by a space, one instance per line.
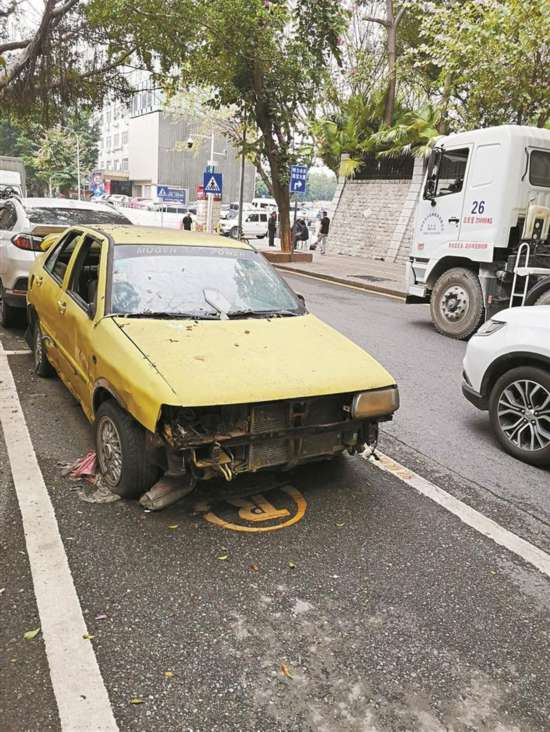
x=454 y=220
x=39 y=281
x=61 y=306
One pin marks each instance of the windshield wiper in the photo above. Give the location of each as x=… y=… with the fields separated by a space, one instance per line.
x=235 y=314
x=170 y=316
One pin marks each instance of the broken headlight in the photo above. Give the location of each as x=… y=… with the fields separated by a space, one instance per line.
x=376 y=403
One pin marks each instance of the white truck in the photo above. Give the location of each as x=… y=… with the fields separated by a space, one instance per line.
x=481 y=237
x=12 y=175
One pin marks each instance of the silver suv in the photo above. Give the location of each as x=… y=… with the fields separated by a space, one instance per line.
x=23 y=224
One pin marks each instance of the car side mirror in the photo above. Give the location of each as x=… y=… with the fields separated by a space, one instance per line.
x=48 y=241
x=301 y=298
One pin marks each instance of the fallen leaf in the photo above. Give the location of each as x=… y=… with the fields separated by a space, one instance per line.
x=101 y=616
x=285 y=671
x=137 y=700
x=172 y=526
x=340 y=525
x=86 y=636
x=254 y=567
x=168 y=674
x=30 y=634
x=292 y=565
x=223 y=557
x=2 y=589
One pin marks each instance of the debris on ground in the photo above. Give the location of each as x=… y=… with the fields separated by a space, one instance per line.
x=165 y=492
x=84 y=467
x=31 y=634
x=98 y=492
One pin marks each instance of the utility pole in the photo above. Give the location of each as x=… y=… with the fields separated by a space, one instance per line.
x=241 y=188
x=78 y=163
x=211 y=165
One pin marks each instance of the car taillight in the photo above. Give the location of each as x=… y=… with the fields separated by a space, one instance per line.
x=27 y=241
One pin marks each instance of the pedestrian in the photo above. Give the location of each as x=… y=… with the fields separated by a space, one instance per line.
x=300 y=233
x=272 y=228
x=187 y=222
x=323 y=233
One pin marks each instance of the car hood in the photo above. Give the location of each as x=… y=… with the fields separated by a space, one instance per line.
x=211 y=362
x=535 y=316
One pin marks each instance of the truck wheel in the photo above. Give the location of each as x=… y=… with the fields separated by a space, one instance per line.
x=121 y=455
x=456 y=304
x=544 y=299
x=519 y=407
x=7 y=312
x=539 y=294
x=234 y=232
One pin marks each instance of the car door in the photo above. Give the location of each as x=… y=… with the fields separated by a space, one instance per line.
x=439 y=213
x=251 y=227
x=48 y=298
x=8 y=219
x=79 y=299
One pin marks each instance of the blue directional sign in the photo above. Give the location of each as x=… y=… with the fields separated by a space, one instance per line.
x=171 y=194
x=298 y=178
x=213 y=183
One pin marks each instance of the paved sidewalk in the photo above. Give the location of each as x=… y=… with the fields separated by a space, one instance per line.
x=369 y=274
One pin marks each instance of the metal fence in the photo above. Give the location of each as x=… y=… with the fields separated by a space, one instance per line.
x=397 y=168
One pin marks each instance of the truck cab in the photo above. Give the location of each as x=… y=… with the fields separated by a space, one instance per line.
x=478 y=188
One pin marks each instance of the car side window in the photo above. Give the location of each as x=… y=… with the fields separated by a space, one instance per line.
x=253 y=217
x=58 y=260
x=452 y=170
x=85 y=273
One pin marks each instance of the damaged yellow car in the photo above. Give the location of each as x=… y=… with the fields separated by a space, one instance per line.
x=194 y=359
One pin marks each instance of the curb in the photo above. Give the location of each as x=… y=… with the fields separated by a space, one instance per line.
x=341 y=281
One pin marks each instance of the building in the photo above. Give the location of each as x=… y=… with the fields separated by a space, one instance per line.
x=142 y=147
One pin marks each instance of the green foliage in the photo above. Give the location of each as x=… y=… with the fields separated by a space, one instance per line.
x=49 y=154
x=414 y=133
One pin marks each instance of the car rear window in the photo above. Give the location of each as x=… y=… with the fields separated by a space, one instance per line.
x=74 y=216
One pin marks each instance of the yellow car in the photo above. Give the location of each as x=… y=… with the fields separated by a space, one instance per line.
x=194 y=359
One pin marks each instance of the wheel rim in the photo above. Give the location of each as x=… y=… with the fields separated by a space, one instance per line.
x=109 y=451
x=523 y=413
x=38 y=348
x=455 y=303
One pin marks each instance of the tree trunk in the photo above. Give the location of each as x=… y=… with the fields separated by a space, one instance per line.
x=282 y=196
x=391 y=43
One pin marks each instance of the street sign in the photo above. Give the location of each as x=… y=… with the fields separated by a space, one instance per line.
x=213 y=183
x=171 y=194
x=298 y=178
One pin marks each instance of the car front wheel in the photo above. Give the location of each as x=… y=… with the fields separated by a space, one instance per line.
x=519 y=408
x=7 y=312
x=121 y=452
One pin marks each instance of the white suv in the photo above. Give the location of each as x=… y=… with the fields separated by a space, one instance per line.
x=23 y=224
x=507 y=372
x=254 y=225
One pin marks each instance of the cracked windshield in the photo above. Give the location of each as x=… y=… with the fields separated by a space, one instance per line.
x=198 y=282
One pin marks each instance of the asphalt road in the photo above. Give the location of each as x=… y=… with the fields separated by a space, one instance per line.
x=378 y=610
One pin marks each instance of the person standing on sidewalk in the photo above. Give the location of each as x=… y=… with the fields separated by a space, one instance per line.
x=187 y=222
x=272 y=228
x=323 y=233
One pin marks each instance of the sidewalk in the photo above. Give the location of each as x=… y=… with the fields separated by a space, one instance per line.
x=368 y=274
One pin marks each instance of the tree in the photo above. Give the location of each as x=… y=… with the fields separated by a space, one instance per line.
x=485 y=63
x=57 y=62
x=263 y=58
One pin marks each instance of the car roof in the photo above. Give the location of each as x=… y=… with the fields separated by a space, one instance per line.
x=63 y=203
x=158 y=235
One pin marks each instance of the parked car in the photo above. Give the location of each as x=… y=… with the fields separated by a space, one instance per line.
x=254 y=225
x=192 y=357
x=138 y=202
x=119 y=199
x=507 y=372
x=23 y=224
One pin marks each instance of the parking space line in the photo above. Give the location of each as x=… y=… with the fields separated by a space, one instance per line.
x=476 y=520
x=81 y=696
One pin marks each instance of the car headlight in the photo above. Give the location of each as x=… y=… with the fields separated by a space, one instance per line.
x=375 y=403
x=490 y=327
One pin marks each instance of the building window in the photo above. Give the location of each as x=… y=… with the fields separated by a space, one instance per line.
x=107 y=165
x=116 y=164
x=124 y=163
x=116 y=141
x=125 y=137
x=108 y=144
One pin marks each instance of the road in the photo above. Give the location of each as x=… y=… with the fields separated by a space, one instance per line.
x=378 y=610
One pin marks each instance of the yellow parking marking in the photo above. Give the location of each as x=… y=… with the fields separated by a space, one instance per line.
x=259 y=509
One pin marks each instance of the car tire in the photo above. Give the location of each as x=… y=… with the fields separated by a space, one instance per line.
x=121 y=454
x=456 y=304
x=8 y=313
x=533 y=391
x=539 y=294
x=42 y=367
x=544 y=299
x=234 y=232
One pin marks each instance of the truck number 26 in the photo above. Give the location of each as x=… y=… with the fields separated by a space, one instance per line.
x=478 y=207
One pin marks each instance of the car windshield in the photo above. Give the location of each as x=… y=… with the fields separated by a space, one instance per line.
x=74 y=216
x=197 y=282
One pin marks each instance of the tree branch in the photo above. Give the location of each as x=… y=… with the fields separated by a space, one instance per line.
x=399 y=16
x=14 y=45
x=382 y=21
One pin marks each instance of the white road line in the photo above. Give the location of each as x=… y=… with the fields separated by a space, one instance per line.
x=81 y=696
x=486 y=526
x=16 y=353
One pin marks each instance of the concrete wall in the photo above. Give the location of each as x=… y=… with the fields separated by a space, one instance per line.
x=375 y=218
